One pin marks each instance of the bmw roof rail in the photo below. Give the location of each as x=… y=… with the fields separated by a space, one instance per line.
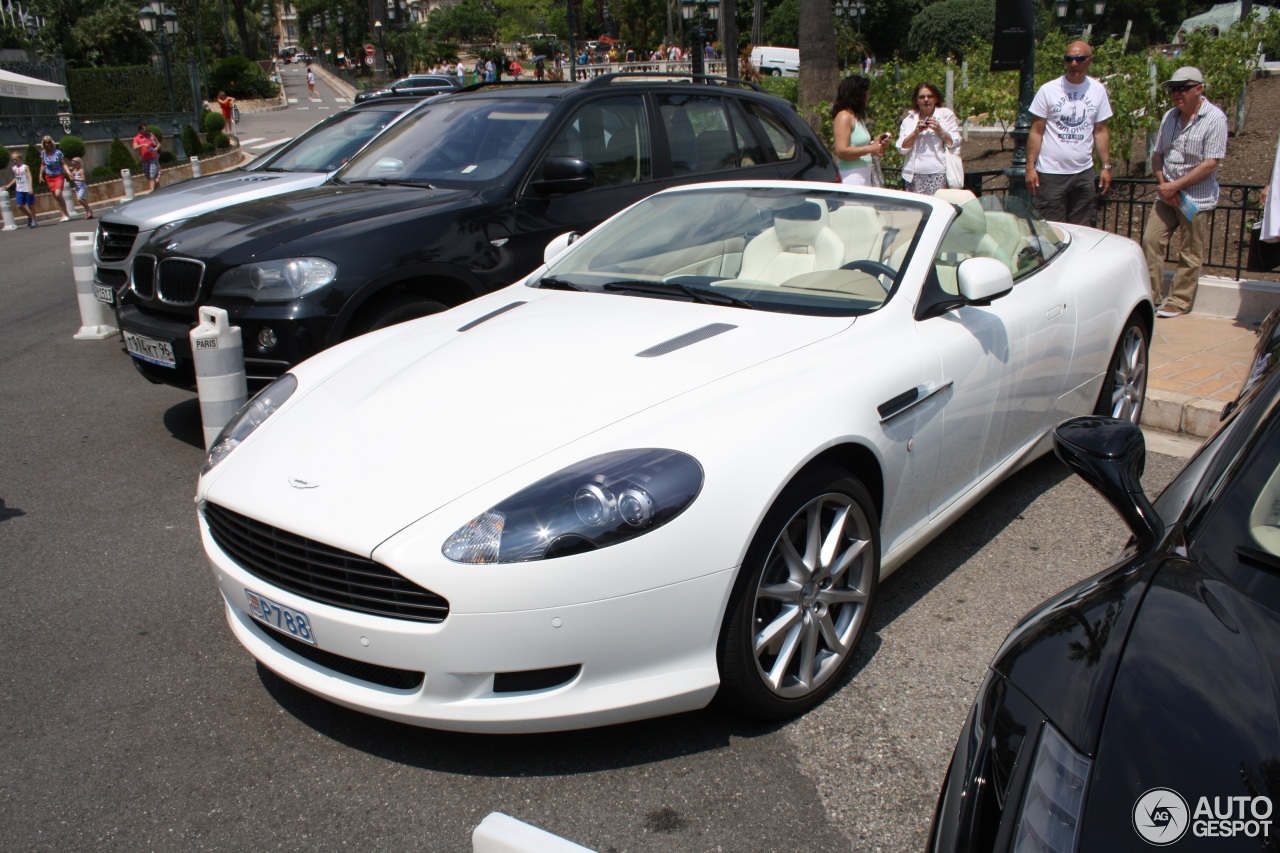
x=636 y=76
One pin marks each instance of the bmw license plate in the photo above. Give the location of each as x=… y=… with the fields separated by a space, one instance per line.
x=286 y=620
x=105 y=294
x=153 y=350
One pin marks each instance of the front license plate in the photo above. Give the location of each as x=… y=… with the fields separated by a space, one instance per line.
x=105 y=294
x=153 y=350
x=286 y=620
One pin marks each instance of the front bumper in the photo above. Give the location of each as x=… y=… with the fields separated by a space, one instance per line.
x=625 y=658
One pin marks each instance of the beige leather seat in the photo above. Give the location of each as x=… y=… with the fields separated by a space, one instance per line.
x=800 y=243
x=861 y=231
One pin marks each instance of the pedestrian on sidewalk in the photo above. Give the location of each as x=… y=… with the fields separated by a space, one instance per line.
x=1191 y=143
x=1069 y=120
x=928 y=133
x=81 y=185
x=148 y=148
x=311 y=81
x=24 y=197
x=225 y=103
x=53 y=172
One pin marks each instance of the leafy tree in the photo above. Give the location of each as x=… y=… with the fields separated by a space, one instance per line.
x=948 y=26
x=71 y=146
x=782 y=25
x=109 y=35
x=468 y=21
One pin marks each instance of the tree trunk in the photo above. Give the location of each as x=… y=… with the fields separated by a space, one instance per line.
x=819 y=73
x=757 y=24
x=729 y=36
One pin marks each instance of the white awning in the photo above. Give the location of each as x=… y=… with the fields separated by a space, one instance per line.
x=17 y=86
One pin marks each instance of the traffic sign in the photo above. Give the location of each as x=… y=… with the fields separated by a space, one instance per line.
x=368 y=50
x=368 y=60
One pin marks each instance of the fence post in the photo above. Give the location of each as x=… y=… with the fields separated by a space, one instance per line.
x=95 y=318
x=127 y=177
x=7 y=213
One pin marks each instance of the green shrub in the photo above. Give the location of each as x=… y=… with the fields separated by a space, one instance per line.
x=156 y=132
x=783 y=87
x=213 y=123
x=167 y=158
x=71 y=146
x=222 y=142
x=32 y=158
x=191 y=141
x=120 y=157
x=102 y=173
x=240 y=78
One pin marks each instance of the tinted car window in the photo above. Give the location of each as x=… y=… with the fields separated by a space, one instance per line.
x=613 y=133
x=781 y=140
x=706 y=135
x=331 y=146
x=453 y=143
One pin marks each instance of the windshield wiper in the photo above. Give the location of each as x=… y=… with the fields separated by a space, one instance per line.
x=390 y=182
x=660 y=288
x=553 y=283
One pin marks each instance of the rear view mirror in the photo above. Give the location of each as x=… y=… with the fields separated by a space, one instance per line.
x=982 y=279
x=1110 y=455
x=565 y=175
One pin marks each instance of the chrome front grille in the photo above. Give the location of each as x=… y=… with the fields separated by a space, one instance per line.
x=178 y=281
x=318 y=572
x=114 y=242
x=143 y=277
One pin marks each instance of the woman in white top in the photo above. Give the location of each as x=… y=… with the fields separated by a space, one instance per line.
x=854 y=145
x=926 y=134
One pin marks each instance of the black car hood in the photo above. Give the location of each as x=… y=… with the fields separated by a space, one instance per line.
x=1195 y=709
x=302 y=222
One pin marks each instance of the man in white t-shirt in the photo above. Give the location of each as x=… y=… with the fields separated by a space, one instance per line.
x=1069 y=120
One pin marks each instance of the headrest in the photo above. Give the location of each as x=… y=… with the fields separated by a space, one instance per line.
x=955 y=196
x=801 y=224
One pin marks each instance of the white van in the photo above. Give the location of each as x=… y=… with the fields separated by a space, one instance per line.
x=776 y=61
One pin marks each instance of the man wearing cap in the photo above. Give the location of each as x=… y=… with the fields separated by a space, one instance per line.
x=1191 y=143
x=1070 y=120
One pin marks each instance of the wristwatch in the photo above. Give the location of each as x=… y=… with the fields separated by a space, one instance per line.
x=1107 y=166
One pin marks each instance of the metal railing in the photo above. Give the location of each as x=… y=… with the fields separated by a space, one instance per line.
x=1127 y=204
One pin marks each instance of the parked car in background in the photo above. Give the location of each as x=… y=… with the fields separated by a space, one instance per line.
x=1142 y=704
x=776 y=61
x=457 y=199
x=304 y=162
x=421 y=85
x=671 y=464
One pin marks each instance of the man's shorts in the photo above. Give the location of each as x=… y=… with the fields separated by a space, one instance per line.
x=151 y=169
x=22 y=199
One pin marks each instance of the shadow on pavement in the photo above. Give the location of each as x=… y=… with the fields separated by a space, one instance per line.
x=182 y=420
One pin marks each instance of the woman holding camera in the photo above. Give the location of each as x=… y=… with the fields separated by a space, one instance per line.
x=928 y=132
x=854 y=146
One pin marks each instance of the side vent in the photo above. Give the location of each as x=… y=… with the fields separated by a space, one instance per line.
x=487 y=317
x=686 y=340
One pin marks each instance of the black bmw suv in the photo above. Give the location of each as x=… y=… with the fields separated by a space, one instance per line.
x=457 y=199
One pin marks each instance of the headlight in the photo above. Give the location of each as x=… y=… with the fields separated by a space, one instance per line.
x=596 y=503
x=1049 y=819
x=166 y=228
x=276 y=281
x=249 y=418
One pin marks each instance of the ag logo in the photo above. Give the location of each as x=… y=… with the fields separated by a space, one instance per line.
x=1160 y=816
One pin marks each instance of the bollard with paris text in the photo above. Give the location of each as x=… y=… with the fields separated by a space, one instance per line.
x=220 y=378
x=6 y=211
x=195 y=167
x=68 y=198
x=96 y=319
x=127 y=177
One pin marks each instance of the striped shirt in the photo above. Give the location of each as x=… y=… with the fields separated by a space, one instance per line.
x=1182 y=148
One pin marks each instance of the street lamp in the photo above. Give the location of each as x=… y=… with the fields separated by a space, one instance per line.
x=1061 y=8
x=266 y=25
x=694 y=11
x=846 y=9
x=382 y=52
x=32 y=27
x=157 y=19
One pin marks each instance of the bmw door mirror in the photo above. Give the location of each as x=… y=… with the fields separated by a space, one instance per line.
x=1110 y=455
x=565 y=175
x=982 y=279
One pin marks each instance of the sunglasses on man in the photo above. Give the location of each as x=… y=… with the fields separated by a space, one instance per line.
x=1072 y=58
x=1182 y=87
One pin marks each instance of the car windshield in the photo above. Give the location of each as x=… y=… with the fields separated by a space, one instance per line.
x=793 y=250
x=452 y=143
x=330 y=145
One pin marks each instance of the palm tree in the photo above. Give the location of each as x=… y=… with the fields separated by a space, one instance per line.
x=819 y=73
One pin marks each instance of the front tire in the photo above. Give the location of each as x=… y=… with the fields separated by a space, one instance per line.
x=775 y=72
x=802 y=599
x=1124 y=390
x=389 y=313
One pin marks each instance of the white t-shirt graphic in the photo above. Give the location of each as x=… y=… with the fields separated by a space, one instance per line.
x=1070 y=111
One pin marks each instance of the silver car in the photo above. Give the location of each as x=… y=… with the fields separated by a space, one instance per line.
x=303 y=163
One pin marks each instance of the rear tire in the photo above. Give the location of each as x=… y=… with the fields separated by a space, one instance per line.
x=775 y=72
x=1124 y=389
x=802 y=599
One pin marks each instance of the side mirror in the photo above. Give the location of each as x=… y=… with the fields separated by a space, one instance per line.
x=1110 y=455
x=558 y=245
x=565 y=175
x=388 y=166
x=982 y=279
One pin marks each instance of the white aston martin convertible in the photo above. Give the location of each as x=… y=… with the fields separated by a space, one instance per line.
x=669 y=466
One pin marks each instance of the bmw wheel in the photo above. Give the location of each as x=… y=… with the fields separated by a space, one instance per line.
x=802 y=600
x=1125 y=387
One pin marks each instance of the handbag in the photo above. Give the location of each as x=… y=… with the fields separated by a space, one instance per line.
x=955 y=170
x=877 y=174
x=1263 y=256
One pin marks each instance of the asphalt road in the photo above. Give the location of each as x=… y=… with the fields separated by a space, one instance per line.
x=131 y=720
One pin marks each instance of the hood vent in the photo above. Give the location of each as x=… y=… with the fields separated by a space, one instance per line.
x=487 y=317
x=685 y=340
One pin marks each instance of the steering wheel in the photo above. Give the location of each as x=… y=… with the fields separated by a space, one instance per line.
x=875 y=268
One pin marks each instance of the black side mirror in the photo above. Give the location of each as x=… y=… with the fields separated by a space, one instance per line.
x=1110 y=455
x=565 y=175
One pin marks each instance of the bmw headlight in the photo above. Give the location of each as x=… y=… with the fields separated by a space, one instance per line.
x=596 y=503
x=1049 y=819
x=276 y=281
x=249 y=418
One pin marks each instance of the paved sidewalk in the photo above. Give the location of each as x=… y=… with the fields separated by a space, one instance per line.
x=1198 y=363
